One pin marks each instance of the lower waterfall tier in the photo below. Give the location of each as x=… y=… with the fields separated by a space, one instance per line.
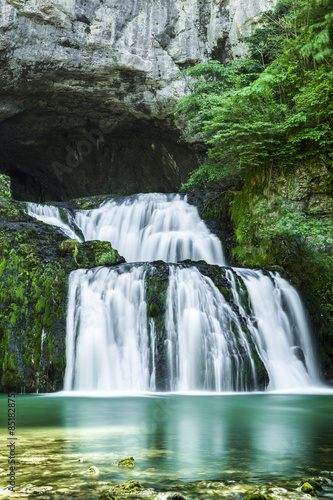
x=159 y=327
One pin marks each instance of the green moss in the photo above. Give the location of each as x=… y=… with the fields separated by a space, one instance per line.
x=67 y=247
x=93 y=470
x=153 y=309
x=129 y=487
x=90 y=253
x=126 y=462
x=109 y=258
x=12 y=376
x=313 y=483
x=106 y=496
x=308 y=488
x=33 y=300
x=259 y=496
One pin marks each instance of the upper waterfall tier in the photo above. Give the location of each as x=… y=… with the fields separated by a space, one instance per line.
x=144 y=228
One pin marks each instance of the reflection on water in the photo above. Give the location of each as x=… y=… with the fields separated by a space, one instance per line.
x=245 y=440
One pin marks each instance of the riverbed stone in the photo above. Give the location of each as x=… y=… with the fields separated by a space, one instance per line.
x=93 y=470
x=126 y=462
x=308 y=488
x=130 y=486
x=260 y=496
x=106 y=496
x=176 y=496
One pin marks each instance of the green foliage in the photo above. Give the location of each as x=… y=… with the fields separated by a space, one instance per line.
x=5 y=193
x=273 y=109
x=285 y=226
x=274 y=234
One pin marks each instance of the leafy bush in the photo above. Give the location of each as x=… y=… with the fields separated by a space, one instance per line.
x=273 y=109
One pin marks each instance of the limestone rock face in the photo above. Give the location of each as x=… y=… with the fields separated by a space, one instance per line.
x=87 y=88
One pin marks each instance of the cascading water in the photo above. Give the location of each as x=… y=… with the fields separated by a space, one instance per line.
x=203 y=340
x=281 y=334
x=107 y=335
x=143 y=228
x=51 y=215
x=206 y=346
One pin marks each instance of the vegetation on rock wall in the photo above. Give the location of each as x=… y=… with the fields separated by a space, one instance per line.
x=33 y=290
x=35 y=262
x=268 y=122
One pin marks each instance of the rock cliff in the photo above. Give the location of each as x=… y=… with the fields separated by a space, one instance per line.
x=87 y=89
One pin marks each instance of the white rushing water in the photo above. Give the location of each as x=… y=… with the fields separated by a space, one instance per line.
x=112 y=345
x=204 y=342
x=206 y=346
x=107 y=344
x=281 y=334
x=143 y=228
x=51 y=215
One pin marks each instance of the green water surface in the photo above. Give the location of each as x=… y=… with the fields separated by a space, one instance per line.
x=202 y=446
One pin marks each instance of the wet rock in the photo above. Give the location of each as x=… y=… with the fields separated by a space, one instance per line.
x=93 y=470
x=129 y=487
x=313 y=482
x=90 y=253
x=259 y=496
x=307 y=488
x=67 y=247
x=106 y=496
x=126 y=462
x=176 y=496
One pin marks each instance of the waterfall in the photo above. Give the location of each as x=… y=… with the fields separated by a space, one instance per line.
x=208 y=343
x=111 y=345
x=245 y=333
x=51 y=215
x=207 y=348
x=107 y=341
x=143 y=228
x=281 y=335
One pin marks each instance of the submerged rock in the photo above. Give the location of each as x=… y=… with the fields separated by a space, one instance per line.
x=176 y=496
x=130 y=486
x=106 y=496
x=93 y=470
x=126 y=462
x=259 y=496
x=308 y=488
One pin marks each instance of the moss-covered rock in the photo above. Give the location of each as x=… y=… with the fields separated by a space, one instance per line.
x=259 y=496
x=130 y=486
x=90 y=253
x=106 y=496
x=315 y=484
x=33 y=293
x=157 y=278
x=308 y=488
x=93 y=470
x=312 y=482
x=126 y=462
x=68 y=247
